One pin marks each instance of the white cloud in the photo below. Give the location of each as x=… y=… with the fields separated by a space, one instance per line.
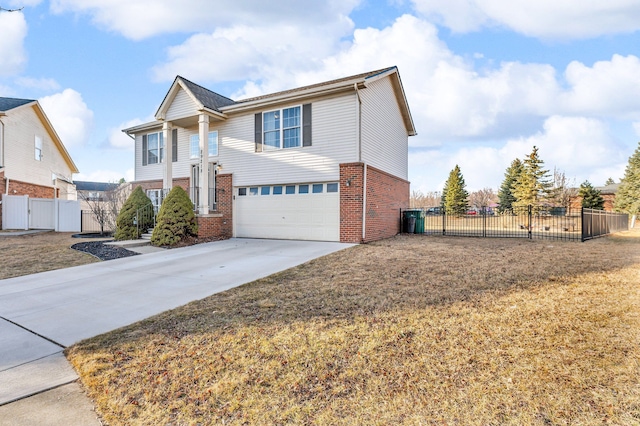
x=46 y=84
x=567 y=19
x=70 y=117
x=145 y=18
x=12 y=53
x=119 y=140
x=608 y=87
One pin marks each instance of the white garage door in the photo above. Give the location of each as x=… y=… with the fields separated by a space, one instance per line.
x=291 y=212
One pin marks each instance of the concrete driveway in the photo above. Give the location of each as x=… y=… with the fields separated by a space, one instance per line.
x=41 y=314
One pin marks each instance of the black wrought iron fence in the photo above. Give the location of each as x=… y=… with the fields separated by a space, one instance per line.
x=556 y=223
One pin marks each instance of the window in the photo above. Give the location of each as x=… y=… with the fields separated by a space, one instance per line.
x=317 y=188
x=242 y=192
x=155 y=148
x=332 y=187
x=277 y=190
x=303 y=189
x=291 y=189
x=194 y=146
x=253 y=190
x=265 y=190
x=213 y=143
x=38 y=145
x=281 y=128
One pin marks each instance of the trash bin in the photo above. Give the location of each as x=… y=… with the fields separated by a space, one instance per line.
x=413 y=221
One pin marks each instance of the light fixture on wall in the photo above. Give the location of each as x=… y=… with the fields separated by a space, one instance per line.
x=219 y=167
x=348 y=182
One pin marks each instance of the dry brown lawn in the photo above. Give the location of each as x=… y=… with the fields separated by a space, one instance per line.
x=412 y=330
x=33 y=253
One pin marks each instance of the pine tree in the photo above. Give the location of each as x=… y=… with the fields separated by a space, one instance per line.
x=176 y=220
x=126 y=227
x=454 y=195
x=628 y=195
x=591 y=198
x=533 y=185
x=609 y=181
x=505 y=194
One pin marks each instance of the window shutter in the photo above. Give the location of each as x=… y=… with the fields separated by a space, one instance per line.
x=258 y=132
x=306 y=125
x=174 y=145
x=144 y=150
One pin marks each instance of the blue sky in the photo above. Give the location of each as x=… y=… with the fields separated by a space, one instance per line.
x=486 y=80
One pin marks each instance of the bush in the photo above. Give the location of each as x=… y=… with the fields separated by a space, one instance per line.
x=126 y=228
x=175 y=220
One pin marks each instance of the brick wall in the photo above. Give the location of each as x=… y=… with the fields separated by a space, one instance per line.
x=157 y=184
x=219 y=224
x=351 y=197
x=386 y=195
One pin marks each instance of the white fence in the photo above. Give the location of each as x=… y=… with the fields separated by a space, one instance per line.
x=22 y=212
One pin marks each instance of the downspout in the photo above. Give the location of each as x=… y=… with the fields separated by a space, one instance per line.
x=364 y=166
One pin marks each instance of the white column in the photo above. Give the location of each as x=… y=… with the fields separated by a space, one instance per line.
x=167 y=181
x=204 y=164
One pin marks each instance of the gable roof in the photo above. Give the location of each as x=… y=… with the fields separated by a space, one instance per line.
x=10 y=103
x=218 y=105
x=7 y=104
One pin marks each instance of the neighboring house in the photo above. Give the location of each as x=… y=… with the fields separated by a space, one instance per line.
x=33 y=159
x=322 y=162
x=608 y=193
x=100 y=203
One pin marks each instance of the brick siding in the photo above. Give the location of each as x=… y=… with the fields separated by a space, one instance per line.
x=386 y=195
x=219 y=224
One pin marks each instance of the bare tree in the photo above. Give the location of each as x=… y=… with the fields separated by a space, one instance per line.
x=105 y=207
x=563 y=190
x=483 y=198
x=420 y=200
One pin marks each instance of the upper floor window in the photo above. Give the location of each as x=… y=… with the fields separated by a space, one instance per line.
x=154 y=152
x=282 y=128
x=194 y=144
x=38 y=145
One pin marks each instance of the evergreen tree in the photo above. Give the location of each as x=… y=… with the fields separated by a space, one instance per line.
x=628 y=195
x=175 y=220
x=505 y=194
x=533 y=185
x=126 y=227
x=454 y=195
x=591 y=198
x=609 y=181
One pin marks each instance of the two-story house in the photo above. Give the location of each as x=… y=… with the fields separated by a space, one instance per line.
x=323 y=162
x=33 y=159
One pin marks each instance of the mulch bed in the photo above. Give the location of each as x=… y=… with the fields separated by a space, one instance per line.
x=103 y=251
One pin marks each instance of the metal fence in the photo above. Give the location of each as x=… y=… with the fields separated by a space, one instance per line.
x=554 y=223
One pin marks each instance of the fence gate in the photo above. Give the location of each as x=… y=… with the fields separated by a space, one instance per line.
x=15 y=211
x=42 y=213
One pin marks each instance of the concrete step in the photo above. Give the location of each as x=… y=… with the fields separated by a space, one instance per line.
x=146 y=236
x=130 y=243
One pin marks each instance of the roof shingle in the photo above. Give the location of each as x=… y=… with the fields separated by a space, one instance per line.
x=10 y=103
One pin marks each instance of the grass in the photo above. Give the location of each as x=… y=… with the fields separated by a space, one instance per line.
x=33 y=253
x=411 y=330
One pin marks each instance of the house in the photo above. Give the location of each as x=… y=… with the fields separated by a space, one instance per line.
x=324 y=162
x=100 y=203
x=608 y=193
x=33 y=159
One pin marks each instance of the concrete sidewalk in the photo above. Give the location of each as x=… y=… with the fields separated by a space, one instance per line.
x=43 y=313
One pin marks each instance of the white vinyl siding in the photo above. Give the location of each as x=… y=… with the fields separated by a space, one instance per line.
x=182 y=106
x=21 y=125
x=384 y=136
x=334 y=136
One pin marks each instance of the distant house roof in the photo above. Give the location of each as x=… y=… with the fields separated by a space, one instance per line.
x=94 y=186
x=10 y=103
x=608 y=189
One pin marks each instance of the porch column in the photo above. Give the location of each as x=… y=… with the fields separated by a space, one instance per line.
x=167 y=179
x=203 y=123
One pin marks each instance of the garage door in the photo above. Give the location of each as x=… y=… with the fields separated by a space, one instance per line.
x=292 y=212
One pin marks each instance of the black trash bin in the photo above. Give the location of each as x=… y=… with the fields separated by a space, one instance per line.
x=411 y=218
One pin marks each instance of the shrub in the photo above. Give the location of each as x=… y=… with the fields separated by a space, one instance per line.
x=126 y=228
x=175 y=220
